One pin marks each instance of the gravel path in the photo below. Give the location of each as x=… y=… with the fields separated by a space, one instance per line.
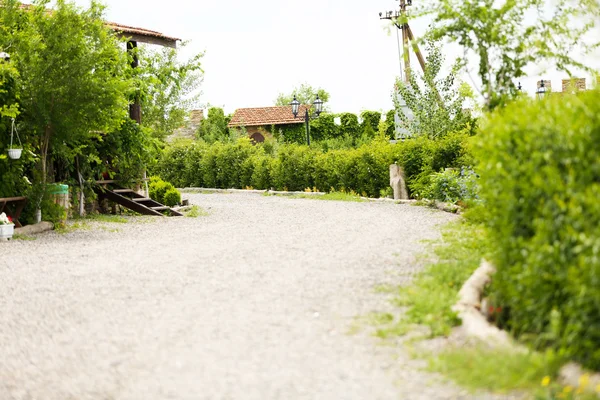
x=253 y=301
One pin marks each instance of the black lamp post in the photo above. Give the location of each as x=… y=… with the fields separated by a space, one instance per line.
x=318 y=110
x=541 y=92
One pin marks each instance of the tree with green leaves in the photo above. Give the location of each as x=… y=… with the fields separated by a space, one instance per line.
x=214 y=128
x=506 y=37
x=305 y=94
x=433 y=104
x=167 y=88
x=72 y=71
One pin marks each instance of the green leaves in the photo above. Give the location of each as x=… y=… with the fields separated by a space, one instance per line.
x=305 y=94
x=540 y=181
x=507 y=36
x=435 y=103
x=167 y=88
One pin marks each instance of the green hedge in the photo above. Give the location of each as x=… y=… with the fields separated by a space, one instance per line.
x=540 y=183
x=364 y=170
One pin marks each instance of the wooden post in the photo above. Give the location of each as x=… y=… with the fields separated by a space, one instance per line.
x=416 y=48
x=135 y=109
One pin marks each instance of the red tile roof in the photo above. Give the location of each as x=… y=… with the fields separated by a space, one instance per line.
x=279 y=115
x=138 y=31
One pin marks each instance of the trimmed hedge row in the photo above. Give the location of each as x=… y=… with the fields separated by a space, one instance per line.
x=540 y=183
x=364 y=170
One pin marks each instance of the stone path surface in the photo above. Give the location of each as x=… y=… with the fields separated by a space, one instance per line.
x=254 y=301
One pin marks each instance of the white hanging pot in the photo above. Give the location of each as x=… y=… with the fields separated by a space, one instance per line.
x=14 y=154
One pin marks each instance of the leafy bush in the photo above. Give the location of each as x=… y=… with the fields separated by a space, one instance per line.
x=172 y=197
x=540 y=183
x=364 y=170
x=452 y=185
x=163 y=192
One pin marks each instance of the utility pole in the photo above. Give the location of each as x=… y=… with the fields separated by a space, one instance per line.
x=400 y=19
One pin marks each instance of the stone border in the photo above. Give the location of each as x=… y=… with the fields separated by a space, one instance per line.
x=476 y=325
x=35 y=228
x=468 y=309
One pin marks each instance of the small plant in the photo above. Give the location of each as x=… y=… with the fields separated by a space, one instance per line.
x=196 y=212
x=452 y=185
x=172 y=197
x=164 y=192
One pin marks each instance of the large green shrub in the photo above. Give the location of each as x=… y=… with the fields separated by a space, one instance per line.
x=364 y=170
x=540 y=183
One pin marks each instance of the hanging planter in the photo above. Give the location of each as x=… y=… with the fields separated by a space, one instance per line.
x=14 y=153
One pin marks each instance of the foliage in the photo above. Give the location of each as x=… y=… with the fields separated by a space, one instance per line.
x=333 y=196
x=166 y=88
x=172 y=197
x=305 y=94
x=163 y=192
x=196 y=212
x=434 y=291
x=68 y=103
x=349 y=125
x=364 y=170
x=214 y=127
x=497 y=370
x=539 y=183
x=324 y=127
x=371 y=119
x=390 y=123
x=9 y=106
x=435 y=103
x=452 y=185
x=126 y=152
x=506 y=37
x=422 y=157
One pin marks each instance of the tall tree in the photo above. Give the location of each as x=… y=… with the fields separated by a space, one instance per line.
x=72 y=70
x=506 y=36
x=305 y=94
x=434 y=104
x=168 y=88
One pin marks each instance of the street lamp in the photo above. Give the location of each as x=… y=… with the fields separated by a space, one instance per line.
x=541 y=92
x=318 y=103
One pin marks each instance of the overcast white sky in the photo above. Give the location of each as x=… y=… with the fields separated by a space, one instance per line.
x=257 y=49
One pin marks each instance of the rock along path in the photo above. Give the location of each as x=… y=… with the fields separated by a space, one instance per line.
x=254 y=301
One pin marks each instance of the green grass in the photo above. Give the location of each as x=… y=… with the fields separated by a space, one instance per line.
x=429 y=298
x=196 y=212
x=18 y=236
x=501 y=371
x=106 y=218
x=77 y=225
x=332 y=196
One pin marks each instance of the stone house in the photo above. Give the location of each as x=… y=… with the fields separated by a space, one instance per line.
x=262 y=122
x=190 y=128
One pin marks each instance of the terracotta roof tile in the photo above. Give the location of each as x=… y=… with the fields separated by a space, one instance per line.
x=279 y=115
x=138 y=31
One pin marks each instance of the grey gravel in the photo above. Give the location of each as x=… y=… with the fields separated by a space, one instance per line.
x=254 y=301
